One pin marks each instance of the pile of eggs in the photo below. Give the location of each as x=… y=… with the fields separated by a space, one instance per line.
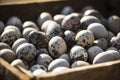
x=58 y=43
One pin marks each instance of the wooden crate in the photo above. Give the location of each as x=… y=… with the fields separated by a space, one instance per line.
x=30 y=11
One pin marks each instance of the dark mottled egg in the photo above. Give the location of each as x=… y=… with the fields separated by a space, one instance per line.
x=79 y=64
x=38 y=39
x=58 y=63
x=59 y=18
x=26 y=32
x=78 y=53
x=44 y=59
x=98 y=30
x=57 y=46
x=53 y=30
x=67 y=10
x=115 y=42
x=60 y=69
x=37 y=66
x=46 y=24
x=109 y=55
x=66 y=57
x=44 y=16
x=39 y=72
x=71 y=22
x=9 y=36
x=93 y=51
x=42 y=51
x=29 y=24
x=80 y=15
x=2 y=26
x=18 y=42
x=84 y=38
x=8 y=55
x=114 y=24
x=110 y=35
x=102 y=43
x=87 y=20
x=19 y=62
x=15 y=21
x=86 y=8
x=26 y=51
x=4 y=46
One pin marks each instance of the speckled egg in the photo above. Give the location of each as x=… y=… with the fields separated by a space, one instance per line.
x=109 y=55
x=102 y=43
x=15 y=21
x=8 y=55
x=2 y=26
x=18 y=42
x=78 y=53
x=53 y=30
x=59 y=18
x=84 y=38
x=93 y=12
x=26 y=51
x=44 y=16
x=58 y=63
x=66 y=57
x=39 y=72
x=93 y=51
x=87 y=20
x=110 y=35
x=98 y=30
x=79 y=64
x=71 y=22
x=114 y=24
x=67 y=10
x=45 y=25
x=69 y=37
x=19 y=62
x=37 y=66
x=4 y=46
x=57 y=46
x=29 y=24
x=26 y=32
x=80 y=15
x=42 y=51
x=115 y=42
x=44 y=59
x=38 y=39
x=9 y=36
x=60 y=69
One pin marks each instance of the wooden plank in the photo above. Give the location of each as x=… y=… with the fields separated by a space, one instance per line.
x=8 y=72
x=103 y=71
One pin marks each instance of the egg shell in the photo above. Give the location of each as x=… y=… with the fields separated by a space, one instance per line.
x=78 y=53
x=44 y=59
x=84 y=38
x=37 y=66
x=114 y=24
x=110 y=35
x=44 y=16
x=38 y=72
x=67 y=10
x=87 y=20
x=4 y=46
x=60 y=69
x=58 y=63
x=57 y=46
x=9 y=36
x=93 y=51
x=19 y=62
x=53 y=30
x=79 y=64
x=29 y=24
x=115 y=42
x=26 y=51
x=112 y=48
x=98 y=30
x=45 y=25
x=42 y=51
x=66 y=57
x=118 y=35
x=18 y=42
x=101 y=42
x=80 y=15
x=85 y=8
x=2 y=26
x=59 y=18
x=8 y=55
x=70 y=22
x=38 y=39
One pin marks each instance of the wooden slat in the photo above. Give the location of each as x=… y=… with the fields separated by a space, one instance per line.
x=8 y=72
x=103 y=71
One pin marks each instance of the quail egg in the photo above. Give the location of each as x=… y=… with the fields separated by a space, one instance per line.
x=60 y=69
x=67 y=10
x=2 y=26
x=4 y=46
